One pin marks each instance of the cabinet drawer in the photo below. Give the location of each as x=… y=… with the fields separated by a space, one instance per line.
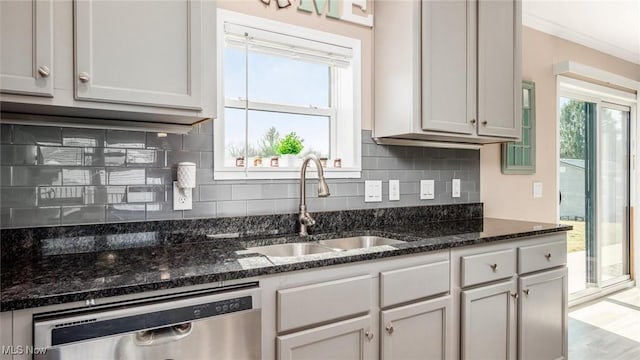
x=402 y=285
x=477 y=269
x=543 y=256
x=322 y=302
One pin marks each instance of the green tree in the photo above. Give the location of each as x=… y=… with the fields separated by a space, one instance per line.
x=269 y=142
x=573 y=119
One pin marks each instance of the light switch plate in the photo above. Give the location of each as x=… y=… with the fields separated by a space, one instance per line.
x=373 y=191
x=455 y=188
x=394 y=190
x=427 y=190
x=537 y=190
x=182 y=199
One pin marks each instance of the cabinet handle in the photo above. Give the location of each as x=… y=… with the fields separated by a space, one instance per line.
x=548 y=256
x=44 y=71
x=389 y=329
x=515 y=296
x=526 y=291
x=473 y=121
x=494 y=267
x=84 y=77
x=369 y=335
x=485 y=123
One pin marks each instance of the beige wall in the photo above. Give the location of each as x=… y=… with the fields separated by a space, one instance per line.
x=510 y=196
x=291 y=15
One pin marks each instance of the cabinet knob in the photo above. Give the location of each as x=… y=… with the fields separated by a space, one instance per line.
x=548 y=256
x=83 y=77
x=389 y=329
x=494 y=267
x=515 y=296
x=472 y=121
x=44 y=71
x=485 y=123
x=369 y=335
x=526 y=291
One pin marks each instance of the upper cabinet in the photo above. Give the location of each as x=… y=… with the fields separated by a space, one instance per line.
x=26 y=44
x=121 y=60
x=447 y=71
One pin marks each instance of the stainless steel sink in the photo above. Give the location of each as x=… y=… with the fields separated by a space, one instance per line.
x=358 y=242
x=293 y=249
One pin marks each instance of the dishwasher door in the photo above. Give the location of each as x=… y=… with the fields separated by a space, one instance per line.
x=216 y=326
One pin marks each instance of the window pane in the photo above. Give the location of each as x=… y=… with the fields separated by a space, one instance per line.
x=234 y=135
x=280 y=80
x=266 y=128
x=234 y=73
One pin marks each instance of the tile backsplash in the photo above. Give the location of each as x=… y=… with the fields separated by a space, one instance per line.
x=63 y=176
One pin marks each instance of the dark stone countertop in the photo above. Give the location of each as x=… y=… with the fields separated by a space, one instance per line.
x=154 y=260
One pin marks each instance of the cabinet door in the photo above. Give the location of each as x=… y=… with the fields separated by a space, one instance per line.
x=26 y=47
x=139 y=52
x=417 y=331
x=542 y=316
x=350 y=339
x=489 y=322
x=6 y=332
x=499 y=77
x=446 y=101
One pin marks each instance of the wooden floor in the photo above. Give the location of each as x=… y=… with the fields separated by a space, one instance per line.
x=606 y=329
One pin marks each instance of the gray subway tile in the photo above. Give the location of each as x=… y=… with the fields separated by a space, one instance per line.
x=388 y=163
x=335 y=203
x=139 y=194
x=261 y=207
x=231 y=208
x=18 y=197
x=125 y=212
x=83 y=137
x=174 y=157
x=5 y=175
x=83 y=176
x=93 y=156
x=286 y=206
x=35 y=216
x=245 y=191
x=205 y=209
x=349 y=189
x=197 y=142
x=40 y=135
x=19 y=155
x=82 y=214
x=5 y=133
x=206 y=127
x=151 y=158
x=115 y=157
x=407 y=188
x=36 y=175
x=215 y=192
x=206 y=160
x=126 y=176
x=167 y=142
x=204 y=176
x=275 y=191
x=55 y=155
x=60 y=195
x=5 y=218
x=95 y=195
x=160 y=176
x=162 y=211
x=116 y=194
x=370 y=163
x=126 y=139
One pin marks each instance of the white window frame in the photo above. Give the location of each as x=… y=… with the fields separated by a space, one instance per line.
x=345 y=120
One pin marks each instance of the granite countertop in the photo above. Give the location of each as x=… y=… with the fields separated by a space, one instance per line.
x=135 y=262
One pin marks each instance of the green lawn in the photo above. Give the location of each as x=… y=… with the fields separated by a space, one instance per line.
x=575 y=240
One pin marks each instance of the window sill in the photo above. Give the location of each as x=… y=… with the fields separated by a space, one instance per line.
x=283 y=173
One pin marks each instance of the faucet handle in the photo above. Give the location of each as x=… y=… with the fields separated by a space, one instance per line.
x=306 y=219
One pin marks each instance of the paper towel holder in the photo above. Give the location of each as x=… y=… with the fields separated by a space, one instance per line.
x=183 y=187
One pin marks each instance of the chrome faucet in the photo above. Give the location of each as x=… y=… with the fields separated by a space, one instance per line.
x=304 y=217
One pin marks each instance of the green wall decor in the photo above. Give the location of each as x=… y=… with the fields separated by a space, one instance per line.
x=519 y=158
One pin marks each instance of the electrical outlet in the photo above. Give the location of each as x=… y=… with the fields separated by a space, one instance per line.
x=427 y=190
x=182 y=198
x=394 y=190
x=455 y=188
x=373 y=191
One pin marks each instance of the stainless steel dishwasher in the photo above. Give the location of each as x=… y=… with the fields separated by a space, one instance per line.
x=215 y=325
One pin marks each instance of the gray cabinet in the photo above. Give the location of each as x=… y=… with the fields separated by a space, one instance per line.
x=26 y=47
x=349 y=339
x=116 y=62
x=6 y=332
x=488 y=326
x=417 y=331
x=543 y=302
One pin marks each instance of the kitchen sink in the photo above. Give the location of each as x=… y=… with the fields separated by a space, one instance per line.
x=358 y=242
x=293 y=249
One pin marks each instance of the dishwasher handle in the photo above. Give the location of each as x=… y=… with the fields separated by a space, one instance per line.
x=163 y=335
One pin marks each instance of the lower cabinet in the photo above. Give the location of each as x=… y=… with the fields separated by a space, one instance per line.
x=543 y=302
x=488 y=327
x=349 y=339
x=416 y=331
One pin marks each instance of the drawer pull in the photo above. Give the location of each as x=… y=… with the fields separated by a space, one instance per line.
x=515 y=296
x=369 y=335
x=44 y=71
x=389 y=328
x=494 y=267
x=526 y=291
x=548 y=256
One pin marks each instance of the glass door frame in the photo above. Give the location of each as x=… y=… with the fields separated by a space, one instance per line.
x=608 y=97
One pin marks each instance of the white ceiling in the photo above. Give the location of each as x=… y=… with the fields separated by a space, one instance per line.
x=611 y=26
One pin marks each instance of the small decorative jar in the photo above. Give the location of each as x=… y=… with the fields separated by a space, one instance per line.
x=337 y=163
x=257 y=162
x=240 y=161
x=323 y=161
x=274 y=162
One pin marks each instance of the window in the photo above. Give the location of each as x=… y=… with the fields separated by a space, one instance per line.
x=519 y=157
x=277 y=81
